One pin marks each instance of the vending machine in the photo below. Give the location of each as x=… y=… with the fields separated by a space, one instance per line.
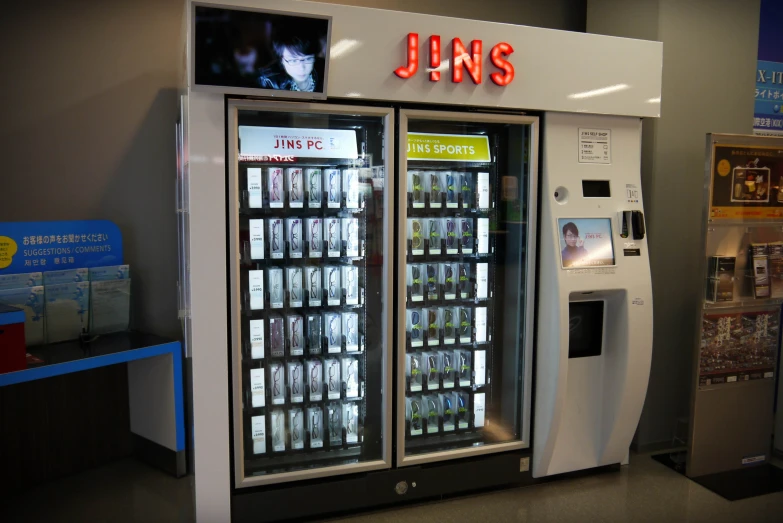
x=466 y=258
x=309 y=236
x=359 y=209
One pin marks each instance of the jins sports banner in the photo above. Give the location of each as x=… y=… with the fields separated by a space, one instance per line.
x=448 y=147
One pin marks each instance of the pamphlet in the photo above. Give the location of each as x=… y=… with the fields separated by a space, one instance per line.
x=721 y=278
x=775 y=260
x=110 y=306
x=17 y=281
x=67 y=310
x=112 y=272
x=759 y=264
x=65 y=276
x=31 y=300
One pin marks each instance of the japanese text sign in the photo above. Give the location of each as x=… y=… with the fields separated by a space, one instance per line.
x=47 y=246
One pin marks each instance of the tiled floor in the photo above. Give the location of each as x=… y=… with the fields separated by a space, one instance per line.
x=125 y=491
x=128 y=491
x=644 y=491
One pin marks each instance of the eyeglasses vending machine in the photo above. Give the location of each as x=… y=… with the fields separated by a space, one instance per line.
x=466 y=253
x=308 y=272
x=360 y=218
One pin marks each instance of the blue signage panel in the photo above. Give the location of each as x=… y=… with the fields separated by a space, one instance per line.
x=49 y=246
x=767 y=114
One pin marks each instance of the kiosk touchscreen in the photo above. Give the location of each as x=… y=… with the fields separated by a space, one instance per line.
x=595 y=318
x=585 y=242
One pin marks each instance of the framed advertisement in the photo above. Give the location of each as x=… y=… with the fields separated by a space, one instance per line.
x=738 y=346
x=746 y=182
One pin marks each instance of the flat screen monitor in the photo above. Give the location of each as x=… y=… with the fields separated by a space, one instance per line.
x=249 y=51
x=585 y=242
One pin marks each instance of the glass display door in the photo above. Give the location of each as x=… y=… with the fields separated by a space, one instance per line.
x=466 y=255
x=310 y=221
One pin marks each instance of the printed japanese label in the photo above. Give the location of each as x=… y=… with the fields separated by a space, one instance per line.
x=482 y=276
x=595 y=146
x=257 y=339
x=254 y=199
x=482 y=235
x=256 y=284
x=481 y=324
x=482 y=189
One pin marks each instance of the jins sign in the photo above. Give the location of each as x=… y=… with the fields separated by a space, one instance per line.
x=461 y=60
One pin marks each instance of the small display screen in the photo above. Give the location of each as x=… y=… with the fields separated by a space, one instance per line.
x=585 y=328
x=261 y=50
x=596 y=189
x=585 y=242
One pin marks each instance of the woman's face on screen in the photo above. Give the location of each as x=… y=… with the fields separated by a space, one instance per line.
x=298 y=66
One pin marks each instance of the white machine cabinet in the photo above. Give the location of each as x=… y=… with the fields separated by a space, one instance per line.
x=548 y=263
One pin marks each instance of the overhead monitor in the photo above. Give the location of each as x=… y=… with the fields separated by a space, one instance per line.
x=585 y=242
x=253 y=51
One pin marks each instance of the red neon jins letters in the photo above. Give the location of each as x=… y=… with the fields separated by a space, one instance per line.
x=460 y=56
x=434 y=57
x=413 y=58
x=497 y=55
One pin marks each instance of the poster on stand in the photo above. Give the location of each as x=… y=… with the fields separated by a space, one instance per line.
x=746 y=183
x=738 y=346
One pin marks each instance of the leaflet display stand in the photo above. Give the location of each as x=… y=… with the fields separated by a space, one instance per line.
x=733 y=393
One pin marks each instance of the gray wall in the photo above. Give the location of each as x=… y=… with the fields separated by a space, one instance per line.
x=87 y=132
x=709 y=63
x=89 y=92
x=553 y=14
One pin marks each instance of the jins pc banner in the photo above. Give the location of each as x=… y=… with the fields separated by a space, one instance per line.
x=768 y=116
x=262 y=144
